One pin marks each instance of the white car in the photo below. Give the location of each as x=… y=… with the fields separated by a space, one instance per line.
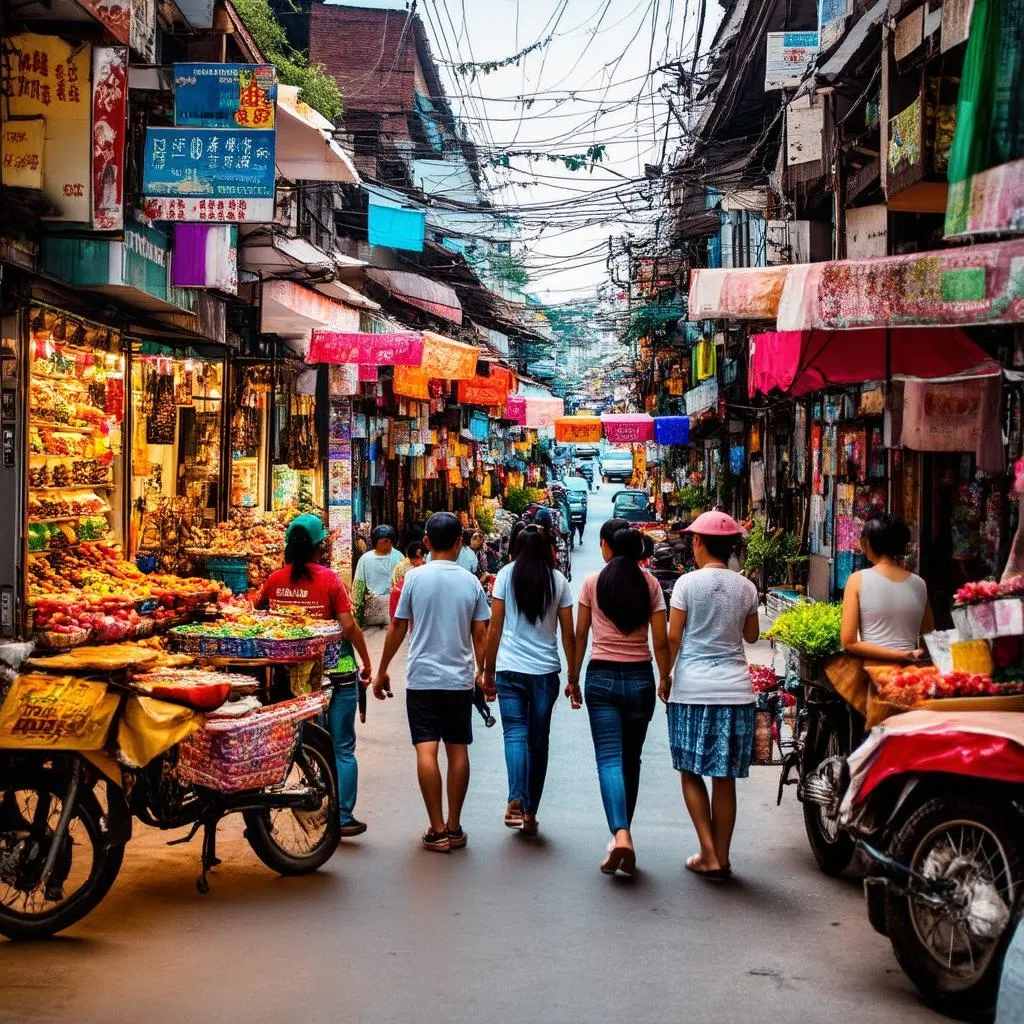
x=617 y=464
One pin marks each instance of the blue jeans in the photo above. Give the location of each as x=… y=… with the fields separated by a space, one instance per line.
x=620 y=701
x=341 y=719
x=526 y=703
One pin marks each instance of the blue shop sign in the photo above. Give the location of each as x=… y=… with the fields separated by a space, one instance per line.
x=197 y=163
x=225 y=96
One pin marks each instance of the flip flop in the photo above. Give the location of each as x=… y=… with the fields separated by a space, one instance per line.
x=712 y=875
x=620 y=858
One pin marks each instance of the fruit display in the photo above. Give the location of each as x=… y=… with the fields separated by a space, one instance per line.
x=909 y=686
x=256 y=536
x=66 y=505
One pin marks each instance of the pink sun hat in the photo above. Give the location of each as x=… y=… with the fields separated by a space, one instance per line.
x=715 y=524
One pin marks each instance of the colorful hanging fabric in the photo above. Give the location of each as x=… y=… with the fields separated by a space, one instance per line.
x=705 y=360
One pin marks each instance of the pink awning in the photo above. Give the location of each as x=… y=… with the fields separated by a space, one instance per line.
x=799 y=362
x=542 y=412
x=746 y=293
x=628 y=428
x=421 y=292
x=974 y=284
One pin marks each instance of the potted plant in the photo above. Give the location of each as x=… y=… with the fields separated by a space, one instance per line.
x=812 y=629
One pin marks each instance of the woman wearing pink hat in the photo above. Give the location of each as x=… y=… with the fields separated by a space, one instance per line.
x=710 y=700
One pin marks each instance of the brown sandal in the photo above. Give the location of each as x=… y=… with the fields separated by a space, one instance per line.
x=514 y=814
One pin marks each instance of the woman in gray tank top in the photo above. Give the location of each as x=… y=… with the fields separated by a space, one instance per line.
x=885 y=608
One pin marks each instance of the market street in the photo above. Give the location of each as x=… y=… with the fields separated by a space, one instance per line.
x=509 y=929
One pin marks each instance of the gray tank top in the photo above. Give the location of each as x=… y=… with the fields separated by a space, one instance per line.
x=891 y=611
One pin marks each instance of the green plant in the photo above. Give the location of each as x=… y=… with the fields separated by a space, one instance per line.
x=485 y=518
x=316 y=87
x=517 y=500
x=777 y=552
x=692 y=496
x=812 y=628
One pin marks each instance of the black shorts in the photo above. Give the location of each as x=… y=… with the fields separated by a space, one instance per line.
x=440 y=715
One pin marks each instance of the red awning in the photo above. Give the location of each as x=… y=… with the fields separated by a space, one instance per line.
x=799 y=362
x=421 y=292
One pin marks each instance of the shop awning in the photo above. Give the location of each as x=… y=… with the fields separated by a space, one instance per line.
x=628 y=427
x=400 y=349
x=421 y=292
x=800 y=362
x=306 y=150
x=578 y=429
x=448 y=359
x=542 y=412
x=977 y=284
x=745 y=293
x=294 y=312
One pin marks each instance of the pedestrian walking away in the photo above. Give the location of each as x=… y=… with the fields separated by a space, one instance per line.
x=415 y=555
x=447 y=611
x=624 y=606
x=710 y=700
x=530 y=601
x=371 y=584
x=303 y=582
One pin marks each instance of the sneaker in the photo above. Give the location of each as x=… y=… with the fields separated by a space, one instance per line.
x=457 y=839
x=437 y=841
x=352 y=828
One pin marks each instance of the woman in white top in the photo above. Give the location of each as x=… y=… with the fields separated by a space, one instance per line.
x=529 y=601
x=711 y=709
x=885 y=608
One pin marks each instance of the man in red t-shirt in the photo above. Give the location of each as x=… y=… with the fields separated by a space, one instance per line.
x=318 y=591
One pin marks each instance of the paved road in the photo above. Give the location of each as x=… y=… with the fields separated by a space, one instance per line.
x=508 y=929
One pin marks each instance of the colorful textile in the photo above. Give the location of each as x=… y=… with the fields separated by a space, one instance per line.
x=712 y=739
x=396 y=227
x=705 y=360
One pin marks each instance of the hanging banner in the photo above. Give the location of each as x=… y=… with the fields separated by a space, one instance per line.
x=368 y=374
x=745 y=293
x=672 y=429
x=43 y=76
x=510 y=379
x=628 y=428
x=209 y=211
x=447 y=359
x=411 y=382
x=343 y=381
x=221 y=163
x=483 y=391
x=789 y=55
x=109 y=132
x=205 y=256
x=988 y=203
x=22 y=149
x=225 y=95
x=515 y=409
x=577 y=430
x=143 y=31
x=404 y=348
x=542 y=412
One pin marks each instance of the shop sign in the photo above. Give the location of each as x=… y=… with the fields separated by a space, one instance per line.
x=205 y=256
x=704 y=396
x=482 y=391
x=56 y=713
x=447 y=359
x=577 y=430
x=23 y=153
x=146 y=255
x=832 y=15
x=209 y=211
x=217 y=163
x=789 y=55
x=225 y=95
x=143 y=30
x=628 y=428
x=43 y=76
x=867 y=228
x=956 y=22
x=109 y=131
x=114 y=15
x=403 y=348
x=411 y=382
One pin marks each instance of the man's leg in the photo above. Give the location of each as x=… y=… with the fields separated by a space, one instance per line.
x=458 y=783
x=341 y=717
x=429 y=775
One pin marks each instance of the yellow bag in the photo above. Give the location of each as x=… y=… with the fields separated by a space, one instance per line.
x=148 y=727
x=56 y=713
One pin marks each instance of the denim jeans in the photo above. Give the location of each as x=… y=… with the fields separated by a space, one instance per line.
x=341 y=720
x=526 y=703
x=620 y=701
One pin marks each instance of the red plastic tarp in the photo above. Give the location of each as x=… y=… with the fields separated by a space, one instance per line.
x=799 y=362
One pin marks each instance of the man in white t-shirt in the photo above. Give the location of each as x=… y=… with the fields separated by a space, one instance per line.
x=447 y=610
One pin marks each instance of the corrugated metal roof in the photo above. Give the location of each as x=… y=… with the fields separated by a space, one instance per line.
x=422 y=292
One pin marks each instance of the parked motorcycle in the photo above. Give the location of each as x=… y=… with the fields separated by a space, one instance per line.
x=936 y=800
x=61 y=847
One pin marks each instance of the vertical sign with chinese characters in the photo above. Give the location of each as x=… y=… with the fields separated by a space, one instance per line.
x=224 y=95
x=43 y=76
x=109 y=131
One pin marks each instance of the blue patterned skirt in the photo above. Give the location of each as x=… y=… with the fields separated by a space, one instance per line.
x=712 y=739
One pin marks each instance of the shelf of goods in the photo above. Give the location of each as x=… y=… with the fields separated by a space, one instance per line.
x=76 y=401
x=90 y=593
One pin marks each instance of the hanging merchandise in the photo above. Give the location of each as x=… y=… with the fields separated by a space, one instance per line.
x=183 y=385
x=303 y=445
x=163 y=417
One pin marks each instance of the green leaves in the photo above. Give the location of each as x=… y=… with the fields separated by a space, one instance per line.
x=485 y=67
x=571 y=161
x=812 y=628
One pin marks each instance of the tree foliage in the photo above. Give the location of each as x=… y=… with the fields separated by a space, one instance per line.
x=485 y=67
x=571 y=161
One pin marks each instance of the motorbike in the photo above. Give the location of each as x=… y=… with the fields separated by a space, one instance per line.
x=826 y=731
x=61 y=846
x=936 y=802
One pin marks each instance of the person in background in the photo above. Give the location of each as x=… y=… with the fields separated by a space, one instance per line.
x=711 y=700
x=305 y=583
x=885 y=608
x=476 y=545
x=467 y=557
x=530 y=600
x=415 y=555
x=664 y=569
x=624 y=606
x=371 y=584
x=447 y=610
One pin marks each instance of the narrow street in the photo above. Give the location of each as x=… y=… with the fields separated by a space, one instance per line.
x=508 y=929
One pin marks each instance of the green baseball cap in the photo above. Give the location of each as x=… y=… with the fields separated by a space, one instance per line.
x=312 y=524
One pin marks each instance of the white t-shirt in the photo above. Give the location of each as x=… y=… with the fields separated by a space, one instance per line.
x=712 y=663
x=443 y=601
x=529 y=647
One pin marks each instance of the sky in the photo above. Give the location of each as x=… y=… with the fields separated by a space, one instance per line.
x=586 y=83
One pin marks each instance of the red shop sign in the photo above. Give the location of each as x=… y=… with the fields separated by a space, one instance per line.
x=109 y=131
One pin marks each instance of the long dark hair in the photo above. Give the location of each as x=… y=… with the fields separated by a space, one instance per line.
x=622 y=591
x=533 y=581
x=514 y=537
x=299 y=552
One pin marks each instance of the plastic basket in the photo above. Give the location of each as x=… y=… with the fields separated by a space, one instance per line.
x=251 y=752
x=233 y=572
x=63 y=641
x=306 y=649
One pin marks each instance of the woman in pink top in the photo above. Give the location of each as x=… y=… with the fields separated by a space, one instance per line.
x=623 y=605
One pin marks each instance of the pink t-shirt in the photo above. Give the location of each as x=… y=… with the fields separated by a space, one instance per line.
x=608 y=643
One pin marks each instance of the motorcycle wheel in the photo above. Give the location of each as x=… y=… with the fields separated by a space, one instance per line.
x=85 y=869
x=832 y=847
x=294 y=842
x=957 y=966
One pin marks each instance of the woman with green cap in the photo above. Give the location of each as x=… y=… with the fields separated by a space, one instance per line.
x=305 y=583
